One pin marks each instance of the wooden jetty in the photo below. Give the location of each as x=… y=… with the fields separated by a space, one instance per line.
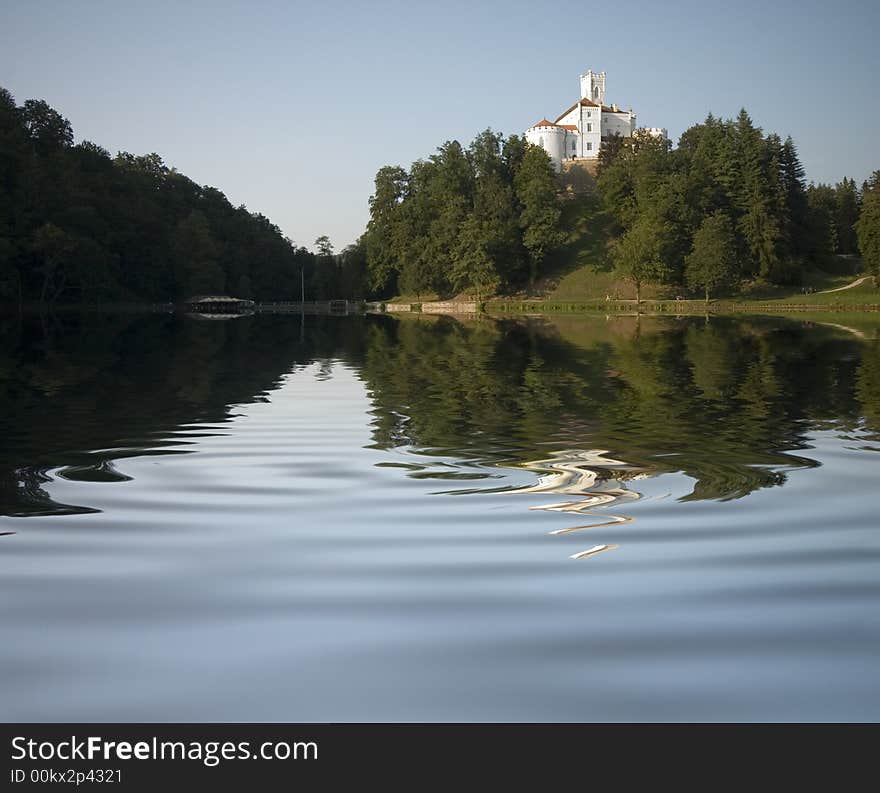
x=218 y=305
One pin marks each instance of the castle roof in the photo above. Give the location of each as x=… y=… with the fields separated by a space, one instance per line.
x=544 y=123
x=584 y=102
x=589 y=103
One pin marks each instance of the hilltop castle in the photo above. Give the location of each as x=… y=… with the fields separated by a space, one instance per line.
x=579 y=131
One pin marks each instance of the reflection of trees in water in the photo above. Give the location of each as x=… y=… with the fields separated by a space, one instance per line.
x=868 y=384
x=727 y=402
x=79 y=392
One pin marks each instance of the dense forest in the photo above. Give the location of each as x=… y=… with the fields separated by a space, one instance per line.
x=728 y=205
x=479 y=220
x=80 y=226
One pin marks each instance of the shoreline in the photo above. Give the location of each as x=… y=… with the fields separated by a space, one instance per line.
x=657 y=307
x=673 y=307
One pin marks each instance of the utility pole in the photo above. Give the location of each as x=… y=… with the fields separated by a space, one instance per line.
x=302 y=302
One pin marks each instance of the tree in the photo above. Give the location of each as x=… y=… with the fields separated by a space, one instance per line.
x=195 y=254
x=474 y=267
x=847 y=202
x=458 y=221
x=761 y=232
x=415 y=277
x=46 y=127
x=820 y=238
x=324 y=283
x=536 y=190
x=868 y=227
x=324 y=246
x=640 y=255
x=79 y=225
x=244 y=288
x=53 y=247
x=712 y=263
x=352 y=272
x=795 y=193
x=382 y=229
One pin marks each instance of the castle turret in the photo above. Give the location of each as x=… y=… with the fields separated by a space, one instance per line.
x=551 y=137
x=593 y=87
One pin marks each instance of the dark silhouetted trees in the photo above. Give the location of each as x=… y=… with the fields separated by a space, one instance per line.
x=77 y=225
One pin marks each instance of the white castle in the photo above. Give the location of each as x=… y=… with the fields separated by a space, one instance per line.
x=578 y=133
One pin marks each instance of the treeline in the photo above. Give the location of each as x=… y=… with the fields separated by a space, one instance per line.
x=728 y=205
x=480 y=219
x=77 y=225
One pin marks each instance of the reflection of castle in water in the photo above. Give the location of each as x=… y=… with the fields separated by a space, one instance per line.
x=596 y=481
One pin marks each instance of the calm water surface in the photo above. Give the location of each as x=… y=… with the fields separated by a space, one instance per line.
x=429 y=519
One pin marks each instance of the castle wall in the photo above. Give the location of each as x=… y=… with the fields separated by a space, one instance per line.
x=591 y=131
x=572 y=117
x=618 y=124
x=554 y=144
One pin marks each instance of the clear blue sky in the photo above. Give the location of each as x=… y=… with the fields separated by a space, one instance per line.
x=291 y=107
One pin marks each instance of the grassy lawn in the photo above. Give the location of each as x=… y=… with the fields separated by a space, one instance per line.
x=595 y=286
x=579 y=276
x=865 y=293
x=580 y=269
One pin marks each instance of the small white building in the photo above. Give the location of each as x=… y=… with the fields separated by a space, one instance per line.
x=579 y=131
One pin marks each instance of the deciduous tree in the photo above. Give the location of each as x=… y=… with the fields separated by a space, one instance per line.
x=711 y=264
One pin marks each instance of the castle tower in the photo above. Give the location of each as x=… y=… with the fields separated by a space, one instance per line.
x=593 y=87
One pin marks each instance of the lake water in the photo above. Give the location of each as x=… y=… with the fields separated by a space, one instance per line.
x=366 y=518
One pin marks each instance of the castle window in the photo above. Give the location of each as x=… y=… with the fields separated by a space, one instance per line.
x=589 y=127
x=573 y=146
x=589 y=146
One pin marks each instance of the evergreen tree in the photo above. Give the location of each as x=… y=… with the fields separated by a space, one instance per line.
x=847 y=202
x=868 y=226
x=820 y=238
x=795 y=192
